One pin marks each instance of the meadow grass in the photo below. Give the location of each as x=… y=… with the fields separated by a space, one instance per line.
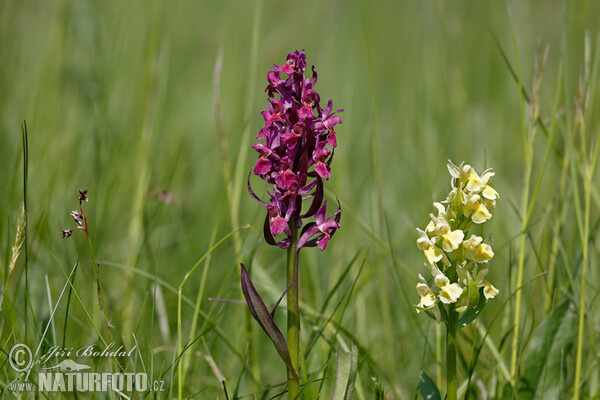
x=153 y=106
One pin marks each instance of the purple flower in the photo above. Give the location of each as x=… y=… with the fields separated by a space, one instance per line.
x=299 y=142
x=323 y=227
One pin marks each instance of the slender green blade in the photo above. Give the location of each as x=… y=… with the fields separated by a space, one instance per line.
x=347 y=368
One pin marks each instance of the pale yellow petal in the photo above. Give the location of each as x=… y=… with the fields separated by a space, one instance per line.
x=452 y=240
x=433 y=254
x=489 y=291
x=471 y=243
x=474 y=182
x=489 y=193
x=481 y=214
x=453 y=170
x=441 y=280
x=483 y=253
x=450 y=293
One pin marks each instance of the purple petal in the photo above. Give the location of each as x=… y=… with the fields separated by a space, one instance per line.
x=331 y=139
x=322 y=170
x=278 y=225
x=309 y=231
x=323 y=242
x=284 y=244
x=320 y=215
x=262 y=166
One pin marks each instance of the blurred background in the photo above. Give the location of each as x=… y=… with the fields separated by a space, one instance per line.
x=119 y=98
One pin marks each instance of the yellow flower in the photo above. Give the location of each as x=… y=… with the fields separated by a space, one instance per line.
x=428 y=299
x=481 y=214
x=483 y=253
x=452 y=240
x=449 y=292
x=432 y=252
x=489 y=291
x=477 y=251
x=475 y=183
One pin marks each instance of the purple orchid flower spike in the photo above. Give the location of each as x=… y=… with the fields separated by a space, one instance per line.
x=296 y=156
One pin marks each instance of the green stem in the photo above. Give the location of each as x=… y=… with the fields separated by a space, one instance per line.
x=584 y=244
x=293 y=317
x=101 y=303
x=451 y=331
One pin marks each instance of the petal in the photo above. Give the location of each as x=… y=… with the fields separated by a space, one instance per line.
x=489 y=291
x=489 y=193
x=278 y=225
x=331 y=139
x=471 y=243
x=285 y=179
x=284 y=244
x=308 y=232
x=453 y=169
x=474 y=183
x=322 y=243
x=441 y=280
x=452 y=240
x=322 y=170
x=481 y=215
x=483 y=253
x=263 y=166
x=450 y=293
x=433 y=254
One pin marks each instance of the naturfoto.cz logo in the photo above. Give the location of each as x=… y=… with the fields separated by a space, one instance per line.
x=70 y=376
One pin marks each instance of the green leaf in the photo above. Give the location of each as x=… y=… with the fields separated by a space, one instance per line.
x=473 y=292
x=428 y=387
x=347 y=367
x=473 y=313
x=261 y=314
x=550 y=345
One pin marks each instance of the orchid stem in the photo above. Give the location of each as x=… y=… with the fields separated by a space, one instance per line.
x=293 y=318
x=451 y=330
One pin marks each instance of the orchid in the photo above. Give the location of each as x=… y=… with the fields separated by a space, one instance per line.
x=296 y=156
x=295 y=152
x=456 y=298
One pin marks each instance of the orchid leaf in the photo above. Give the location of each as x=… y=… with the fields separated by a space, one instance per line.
x=428 y=387
x=473 y=292
x=472 y=313
x=347 y=368
x=261 y=314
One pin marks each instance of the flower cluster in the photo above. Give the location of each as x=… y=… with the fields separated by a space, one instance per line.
x=457 y=262
x=296 y=155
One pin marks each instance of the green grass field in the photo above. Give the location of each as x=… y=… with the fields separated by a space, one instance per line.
x=122 y=98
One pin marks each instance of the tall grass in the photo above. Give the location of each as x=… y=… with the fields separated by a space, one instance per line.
x=119 y=98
